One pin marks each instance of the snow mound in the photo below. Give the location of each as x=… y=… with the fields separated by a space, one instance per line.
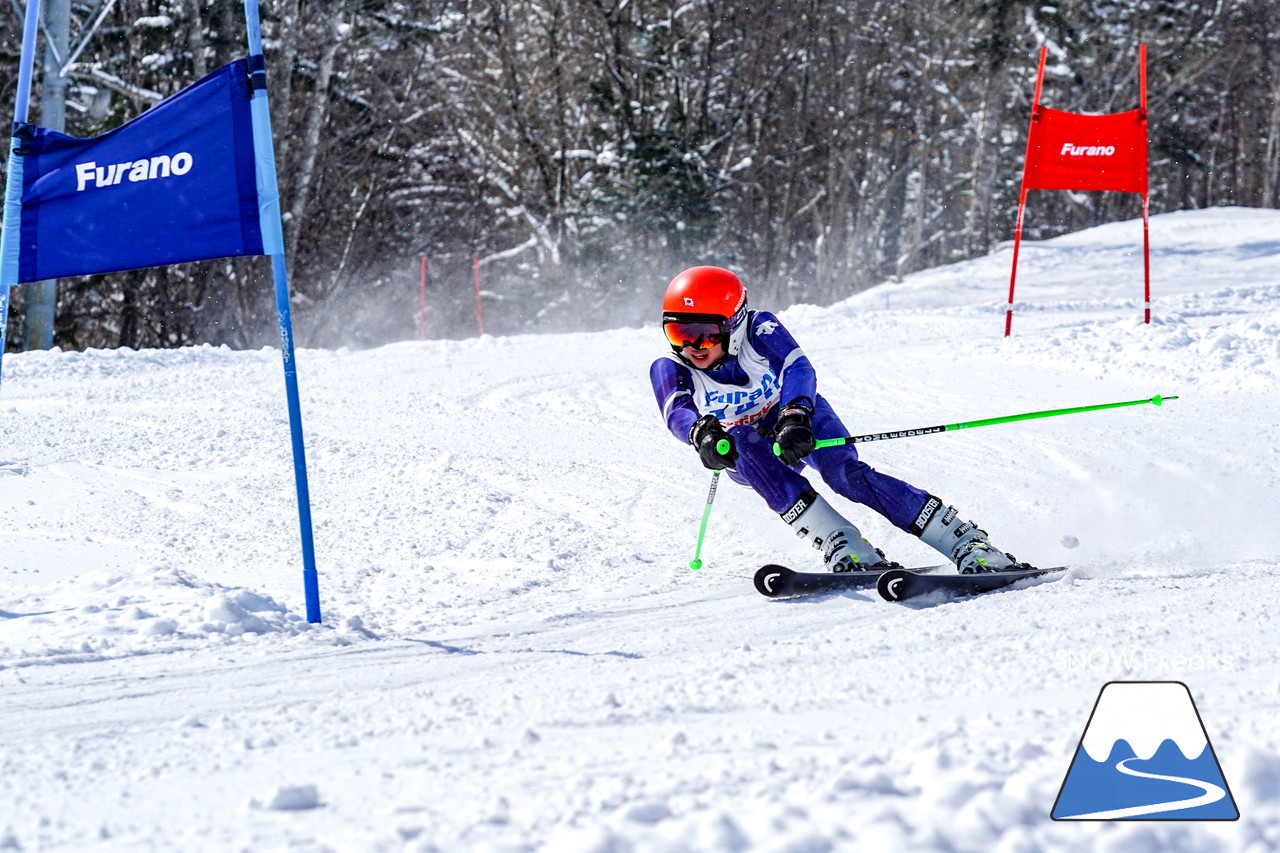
x=104 y=615
x=1226 y=340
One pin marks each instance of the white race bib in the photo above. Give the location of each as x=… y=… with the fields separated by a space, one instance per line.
x=735 y=405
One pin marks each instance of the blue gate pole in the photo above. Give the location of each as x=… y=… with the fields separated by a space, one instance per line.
x=273 y=245
x=11 y=231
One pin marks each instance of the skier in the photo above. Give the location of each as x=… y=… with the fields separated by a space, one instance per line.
x=737 y=374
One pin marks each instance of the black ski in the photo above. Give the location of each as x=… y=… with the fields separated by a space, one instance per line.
x=903 y=584
x=780 y=582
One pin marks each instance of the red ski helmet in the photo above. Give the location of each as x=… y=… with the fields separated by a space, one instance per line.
x=705 y=306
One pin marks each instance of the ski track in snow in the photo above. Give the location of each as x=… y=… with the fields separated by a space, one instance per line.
x=515 y=655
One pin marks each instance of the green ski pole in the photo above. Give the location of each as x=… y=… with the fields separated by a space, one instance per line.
x=722 y=447
x=1157 y=400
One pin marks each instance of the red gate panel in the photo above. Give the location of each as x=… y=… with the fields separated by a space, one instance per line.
x=1073 y=151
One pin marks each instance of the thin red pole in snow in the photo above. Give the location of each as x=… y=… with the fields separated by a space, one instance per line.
x=1013 y=273
x=1142 y=77
x=1022 y=198
x=422 y=297
x=475 y=269
x=1146 y=262
x=1146 y=230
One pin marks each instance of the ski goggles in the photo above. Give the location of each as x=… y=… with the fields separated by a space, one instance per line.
x=696 y=334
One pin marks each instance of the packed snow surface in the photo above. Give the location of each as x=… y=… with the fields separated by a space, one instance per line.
x=515 y=655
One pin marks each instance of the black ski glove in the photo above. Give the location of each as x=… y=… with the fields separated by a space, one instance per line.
x=706 y=436
x=792 y=433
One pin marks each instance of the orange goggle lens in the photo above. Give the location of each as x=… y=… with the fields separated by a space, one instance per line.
x=695 y=335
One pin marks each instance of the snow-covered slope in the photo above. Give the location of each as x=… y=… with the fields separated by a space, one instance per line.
x=515 y=655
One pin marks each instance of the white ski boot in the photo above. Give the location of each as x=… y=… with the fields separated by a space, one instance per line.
x=841 y=543
x=964 y=543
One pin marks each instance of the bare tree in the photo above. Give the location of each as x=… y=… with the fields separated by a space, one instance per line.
x=585 y=150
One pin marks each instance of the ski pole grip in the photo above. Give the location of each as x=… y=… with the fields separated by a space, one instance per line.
x=817 y=445
x=723 y=447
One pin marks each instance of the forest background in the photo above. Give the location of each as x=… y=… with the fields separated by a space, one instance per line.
x=586 y=150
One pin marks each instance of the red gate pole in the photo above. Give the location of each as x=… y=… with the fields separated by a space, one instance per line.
x=1146 y=230
x=475 y=269
x=422 y=297
x=1013 y=273
x=1146 y=262
x=1022 y=198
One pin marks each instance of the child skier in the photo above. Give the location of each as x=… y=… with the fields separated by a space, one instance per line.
x=738 y=374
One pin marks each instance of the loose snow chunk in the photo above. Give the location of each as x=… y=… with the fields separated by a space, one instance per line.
x=255 y=602
x=160 y=628
x=290 y=799
x=647 y=813
x=237 y=610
